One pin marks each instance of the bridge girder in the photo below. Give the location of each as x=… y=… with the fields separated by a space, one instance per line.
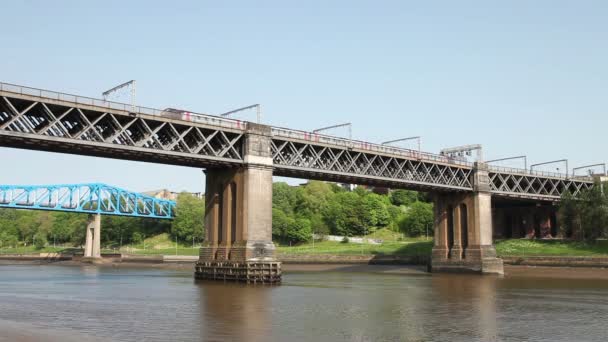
x=92 y=198
x=43 y=120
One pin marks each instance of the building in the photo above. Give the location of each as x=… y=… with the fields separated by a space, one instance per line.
x=171 y=195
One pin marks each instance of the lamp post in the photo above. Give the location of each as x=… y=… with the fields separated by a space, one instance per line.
x=256 y=106
x=510 y=158
x=130 y=83
x=552 y=162
x=348 y=124
x=418 y=138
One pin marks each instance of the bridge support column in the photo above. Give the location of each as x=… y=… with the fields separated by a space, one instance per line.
x=92 y=247
x=238 y=217
x=463 y=230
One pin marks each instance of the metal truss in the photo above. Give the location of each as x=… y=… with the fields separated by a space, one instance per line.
x=44 y=120
x=530 y=185
x=92 y=198
x=110 y=131
x=313 y=157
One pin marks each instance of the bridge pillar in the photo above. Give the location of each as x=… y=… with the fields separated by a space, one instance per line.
x=463 y=229
x=92 y=247
x=238 y=217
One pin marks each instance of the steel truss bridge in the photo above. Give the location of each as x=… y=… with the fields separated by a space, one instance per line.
x=45 y=120
x=94 y=198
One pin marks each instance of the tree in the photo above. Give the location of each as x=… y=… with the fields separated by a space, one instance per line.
x=189 y=218
x=376 y=210
x=280 y=223
x=403 y=197
x=585 y=216
x=312 y=199
x=300 y=231
x=283 y=197
x=40 y=240
x=346 y=215
x=418 y=219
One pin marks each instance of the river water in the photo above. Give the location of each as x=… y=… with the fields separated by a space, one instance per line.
x=59 y=303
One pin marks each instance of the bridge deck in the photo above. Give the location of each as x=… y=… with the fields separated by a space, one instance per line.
x=43 y=120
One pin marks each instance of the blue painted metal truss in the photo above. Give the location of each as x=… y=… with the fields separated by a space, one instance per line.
x=94 y=198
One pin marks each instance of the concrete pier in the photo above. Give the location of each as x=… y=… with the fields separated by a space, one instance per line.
x=93 y=244
x=238 y=217
x=463 y=230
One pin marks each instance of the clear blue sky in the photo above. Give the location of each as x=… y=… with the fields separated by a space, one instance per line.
x=519 y=77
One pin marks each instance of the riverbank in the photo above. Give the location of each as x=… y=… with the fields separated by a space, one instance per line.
x=296 y=259
x=511 y=271
x=556 y=253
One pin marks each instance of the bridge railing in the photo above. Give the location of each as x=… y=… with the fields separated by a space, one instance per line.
x=349 y=144
x=194 y=117
x=504 y=169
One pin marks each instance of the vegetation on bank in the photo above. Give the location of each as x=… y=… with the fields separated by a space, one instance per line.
x=325 y=208
x=401 y=219
x=318 y=207
x=586 y=216
x=527 y=247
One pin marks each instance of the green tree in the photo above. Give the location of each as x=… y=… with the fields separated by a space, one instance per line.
x=586 y=215
x=189 y=218
x=377 y=212
x=300 y=231
x=312 y=199
x=403 y=197
x=346 y=215
x=280 y=223
x=418 y=219
x=283 y=197
x=40 y=240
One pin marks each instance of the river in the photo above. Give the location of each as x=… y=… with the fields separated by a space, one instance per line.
x=82 y=303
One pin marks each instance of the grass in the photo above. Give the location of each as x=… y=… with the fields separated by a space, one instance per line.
x=405 y=248
x=162 y=251
x=524 y=247
x=394 y=244
x=160 y=244
x=48 y=249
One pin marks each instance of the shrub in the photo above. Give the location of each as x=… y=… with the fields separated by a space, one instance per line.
x=40 y=240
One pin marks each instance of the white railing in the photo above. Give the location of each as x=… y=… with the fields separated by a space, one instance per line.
x=194 y=117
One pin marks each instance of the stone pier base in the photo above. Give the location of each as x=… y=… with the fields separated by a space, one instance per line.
x=485 y=266
x=251 y=272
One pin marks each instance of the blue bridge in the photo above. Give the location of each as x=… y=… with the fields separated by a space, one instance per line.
x=92 y=198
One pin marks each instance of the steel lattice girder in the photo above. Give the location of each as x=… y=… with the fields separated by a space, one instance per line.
x=313 y=157
x=94 y=198
x=535 y=186
x=69 y=127
x=53 y=124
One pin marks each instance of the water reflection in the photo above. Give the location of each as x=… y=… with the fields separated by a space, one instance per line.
x=468 y=305
x=233 y=312
x=160 y=305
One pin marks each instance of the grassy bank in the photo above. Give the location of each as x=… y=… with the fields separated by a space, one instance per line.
x=394 y=244
x=412 y=248
x=524 y=247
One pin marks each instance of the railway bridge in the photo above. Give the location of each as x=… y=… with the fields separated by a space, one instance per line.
x=240 y=159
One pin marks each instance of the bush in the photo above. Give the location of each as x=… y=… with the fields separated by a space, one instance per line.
x=8 y=240
x=300 y=231
x=40 y=240
x=418 y=219
x=137 y=238
x=345 y=240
